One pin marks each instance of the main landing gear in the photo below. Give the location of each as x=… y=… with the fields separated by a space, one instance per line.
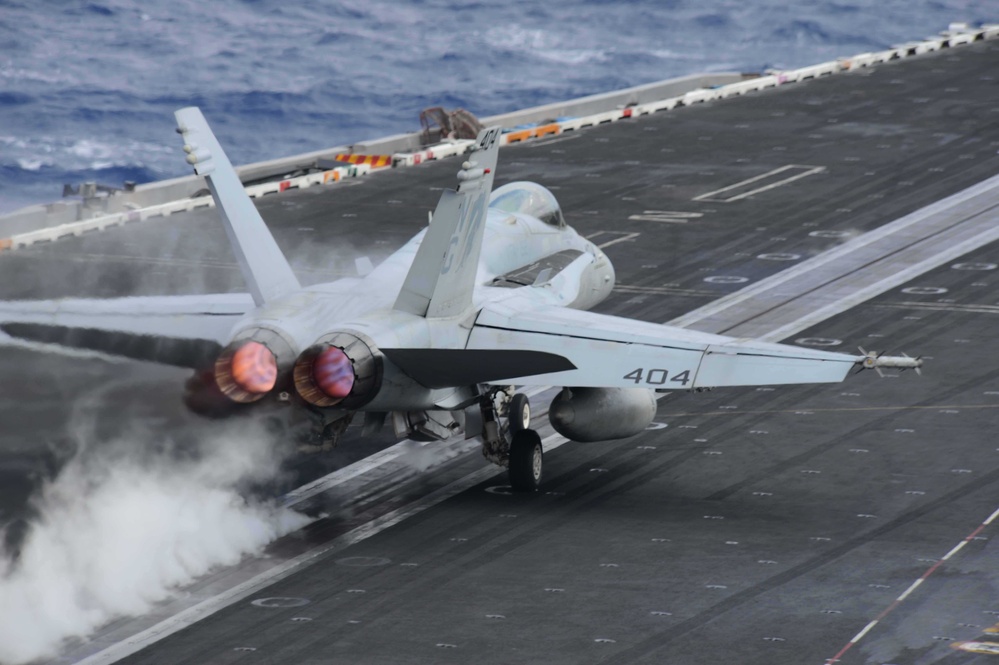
x=526 y=460
x=511 y=442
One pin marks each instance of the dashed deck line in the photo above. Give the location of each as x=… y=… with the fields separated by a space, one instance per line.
x=912 y=587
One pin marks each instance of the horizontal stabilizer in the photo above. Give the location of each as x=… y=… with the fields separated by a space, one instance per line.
x=190 y=353
x=175 y=330
x=447 y=368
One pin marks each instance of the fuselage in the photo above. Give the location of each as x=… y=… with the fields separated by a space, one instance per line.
x=364 y=306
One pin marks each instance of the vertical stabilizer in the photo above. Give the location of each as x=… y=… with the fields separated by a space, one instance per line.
x=442 y=277
x=264 y=267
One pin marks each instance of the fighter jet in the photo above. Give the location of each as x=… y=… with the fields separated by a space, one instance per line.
x=491 y=295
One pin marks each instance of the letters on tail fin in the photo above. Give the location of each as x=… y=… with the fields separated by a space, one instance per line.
x=264 y=267
x=442 y=277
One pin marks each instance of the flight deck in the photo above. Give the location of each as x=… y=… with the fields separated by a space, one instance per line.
x=757 y=525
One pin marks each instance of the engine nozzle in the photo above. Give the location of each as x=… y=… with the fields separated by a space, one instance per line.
x=246 y=372
x=254 y=364
x=340 y=369
x=333 y=372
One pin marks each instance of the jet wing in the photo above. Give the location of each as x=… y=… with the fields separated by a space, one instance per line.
x=186 y=331
x=613 y=352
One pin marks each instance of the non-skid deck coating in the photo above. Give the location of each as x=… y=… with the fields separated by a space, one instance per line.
x=759 y=525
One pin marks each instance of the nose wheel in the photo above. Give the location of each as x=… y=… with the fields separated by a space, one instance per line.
x=526 y=460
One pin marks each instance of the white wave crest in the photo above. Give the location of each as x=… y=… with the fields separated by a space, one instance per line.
x=33 y=164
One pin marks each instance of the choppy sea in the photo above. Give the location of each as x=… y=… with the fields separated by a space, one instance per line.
x=87 y=89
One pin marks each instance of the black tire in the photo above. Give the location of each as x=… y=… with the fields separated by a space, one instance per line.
x=526 y=461
x=520 y=413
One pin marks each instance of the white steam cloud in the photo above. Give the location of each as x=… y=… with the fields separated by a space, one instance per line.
x=121 y=528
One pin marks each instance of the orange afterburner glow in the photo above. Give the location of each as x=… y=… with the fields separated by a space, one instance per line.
x=342 y=369
x=333 y=373
x=246 y=371
x=254 y=368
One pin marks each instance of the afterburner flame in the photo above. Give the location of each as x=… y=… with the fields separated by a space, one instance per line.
x=342 y=369
x=333 y=373
x=254 y=368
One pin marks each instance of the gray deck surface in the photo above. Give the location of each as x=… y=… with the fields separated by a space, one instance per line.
x=759 y=526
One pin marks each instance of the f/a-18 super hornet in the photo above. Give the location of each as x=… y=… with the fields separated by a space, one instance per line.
x=492 y=294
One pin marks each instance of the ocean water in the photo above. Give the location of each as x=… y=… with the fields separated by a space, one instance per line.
x=87 y=89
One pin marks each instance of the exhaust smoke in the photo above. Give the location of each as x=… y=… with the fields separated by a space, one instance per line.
x=125 y=523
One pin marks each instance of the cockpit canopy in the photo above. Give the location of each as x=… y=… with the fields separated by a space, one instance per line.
x=528 y=198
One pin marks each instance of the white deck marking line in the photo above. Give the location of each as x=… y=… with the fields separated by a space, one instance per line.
x=341 y=476
x=912 y=587
x=877 y=288
x=835 y=254
x=939 y=307
x=212 y=605
x=809 y=170
x=559 y=138
x=625 y=237
x=666 y=216
x=667 y=290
